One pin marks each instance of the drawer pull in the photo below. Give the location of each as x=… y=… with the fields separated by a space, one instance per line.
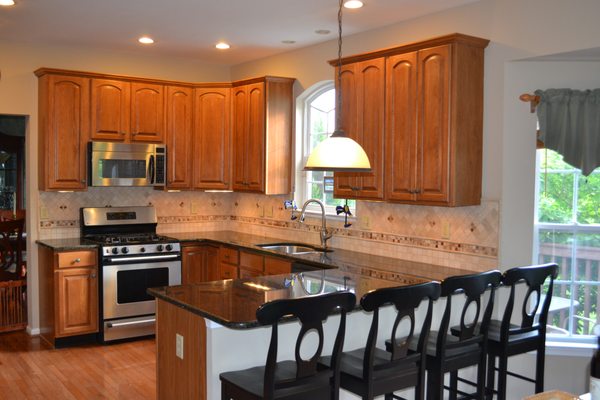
x=77 y=260
x=93 y=276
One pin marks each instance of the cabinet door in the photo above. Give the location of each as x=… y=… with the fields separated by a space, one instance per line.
x=240 y=138
x=255 y=165
x=147 y=112
x=212 y=137
x=401 y=134
x=192 y=265
x=77 y=301
x=370 y=125
x=276 y=266
x=345 y=183
x=433 y=112
x=64 y=132
x=110 y=101
x=179 y=137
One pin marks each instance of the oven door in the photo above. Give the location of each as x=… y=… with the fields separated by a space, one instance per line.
x=125 y=285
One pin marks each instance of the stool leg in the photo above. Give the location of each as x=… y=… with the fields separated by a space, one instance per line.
x=435 y=384
x=491 y=374
x=481 y=375
x=539 y=369
x=502 y=367
x=453 y=384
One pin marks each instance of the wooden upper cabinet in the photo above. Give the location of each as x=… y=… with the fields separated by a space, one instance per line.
x=433 y=131
x=433 y=113
x=363 y=114
x=401 y=120
x=179 y=137
x=147 y=112
x=262 y=135
x=110 y=101
x=212 y=138
x=64 y=104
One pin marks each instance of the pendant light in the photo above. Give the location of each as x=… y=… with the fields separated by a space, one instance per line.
x=338 y=153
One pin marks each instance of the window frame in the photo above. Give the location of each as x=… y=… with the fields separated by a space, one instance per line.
x=303 y=124
x=573 y=228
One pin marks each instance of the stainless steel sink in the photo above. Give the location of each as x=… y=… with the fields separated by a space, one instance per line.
x=293 y=248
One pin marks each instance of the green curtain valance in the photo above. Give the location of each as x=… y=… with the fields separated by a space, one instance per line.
x=570 y=125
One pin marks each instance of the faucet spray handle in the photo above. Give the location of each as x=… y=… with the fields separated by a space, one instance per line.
x=287 y=204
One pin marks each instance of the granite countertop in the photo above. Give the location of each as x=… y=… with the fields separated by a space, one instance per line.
x=345 y=260
x=67 y=244
x=233 y=302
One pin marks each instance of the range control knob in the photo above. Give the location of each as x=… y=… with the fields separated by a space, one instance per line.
x=124 y=250
x=142 y=249
x=159 y=247
x=115 y=250
x=169 y=247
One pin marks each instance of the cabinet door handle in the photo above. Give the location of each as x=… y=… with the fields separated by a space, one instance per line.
x=355 y=188
x=93 y=276
x=417 y=191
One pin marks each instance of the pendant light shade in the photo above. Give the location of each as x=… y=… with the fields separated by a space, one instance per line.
x=338 y=153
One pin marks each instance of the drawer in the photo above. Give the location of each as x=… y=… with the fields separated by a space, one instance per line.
x=252 y=261
x=276 y=266
x=76 y=259
x=227 y=271
x=249 y=273
x=228 y=255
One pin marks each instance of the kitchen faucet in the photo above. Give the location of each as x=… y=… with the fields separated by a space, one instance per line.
x=325 y=233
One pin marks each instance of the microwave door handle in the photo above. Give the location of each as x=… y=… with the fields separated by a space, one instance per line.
x=151 y=169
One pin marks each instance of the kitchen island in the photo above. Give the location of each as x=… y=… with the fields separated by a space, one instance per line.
x=209 y=328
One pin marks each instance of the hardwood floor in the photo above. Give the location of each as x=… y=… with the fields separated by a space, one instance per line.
x=31 y=369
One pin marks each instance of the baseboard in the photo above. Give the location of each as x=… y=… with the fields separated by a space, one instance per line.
x=32 y=331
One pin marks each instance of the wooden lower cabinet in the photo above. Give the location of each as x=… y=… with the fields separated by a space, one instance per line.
x=276 y=266
x=68 y=289
x=228 y=271
x=199 y=263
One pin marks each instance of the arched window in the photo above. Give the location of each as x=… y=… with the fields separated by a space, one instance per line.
x=316 y=121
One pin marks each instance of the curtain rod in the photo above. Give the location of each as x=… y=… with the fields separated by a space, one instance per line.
x=532 y=99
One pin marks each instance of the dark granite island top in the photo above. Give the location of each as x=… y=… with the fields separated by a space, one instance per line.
x=233 y=303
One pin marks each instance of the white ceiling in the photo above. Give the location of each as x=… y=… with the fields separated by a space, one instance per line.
x=190 y=28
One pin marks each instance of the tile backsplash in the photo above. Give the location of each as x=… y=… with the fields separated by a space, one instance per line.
x=465 y=237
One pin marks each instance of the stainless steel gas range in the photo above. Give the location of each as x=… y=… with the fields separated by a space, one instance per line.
x=133 y=258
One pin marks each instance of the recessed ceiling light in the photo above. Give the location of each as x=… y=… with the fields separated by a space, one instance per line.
x=353 y=4
x=222 y=46
x=146 y=40
x=322 y=31
x=7 y=3
x=288 y=41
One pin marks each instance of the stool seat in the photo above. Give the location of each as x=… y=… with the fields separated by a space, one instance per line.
x=495 y=330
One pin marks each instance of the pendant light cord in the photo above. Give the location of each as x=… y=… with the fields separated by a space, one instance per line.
x=338 y=94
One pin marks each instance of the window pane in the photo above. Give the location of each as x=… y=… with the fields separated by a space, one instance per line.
x=556 y=247
x=316 y=139
x=588 y=257
x=588 y=200
x=559 y=314
x=318 y=122
x=316 y=191
x=556 y=197
x=316 y=176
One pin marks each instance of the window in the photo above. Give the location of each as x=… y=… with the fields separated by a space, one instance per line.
x=318 y=122
x=567 y=232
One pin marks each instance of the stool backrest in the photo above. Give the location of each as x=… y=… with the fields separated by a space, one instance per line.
x=534 y=277
x=406 y=299
x=473 y=287
x=311 y=312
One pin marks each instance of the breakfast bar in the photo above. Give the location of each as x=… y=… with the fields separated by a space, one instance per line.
x=208 y=328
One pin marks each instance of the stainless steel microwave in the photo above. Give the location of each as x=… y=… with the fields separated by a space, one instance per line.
x=126 y=164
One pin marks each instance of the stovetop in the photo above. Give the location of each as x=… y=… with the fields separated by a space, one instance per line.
x=126 y=239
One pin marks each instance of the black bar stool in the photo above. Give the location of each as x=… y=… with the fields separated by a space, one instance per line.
x=506 y=339
x=293 y=379
x=371 y=371
x=450 y=350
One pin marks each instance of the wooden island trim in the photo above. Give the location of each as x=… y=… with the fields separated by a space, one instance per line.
x=178 y=378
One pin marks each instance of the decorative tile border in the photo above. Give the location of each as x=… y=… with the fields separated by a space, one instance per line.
x=379 y=237
x=389 y=238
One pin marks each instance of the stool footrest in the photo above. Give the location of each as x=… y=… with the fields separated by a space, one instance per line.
x=464 y=394
x=525 y=378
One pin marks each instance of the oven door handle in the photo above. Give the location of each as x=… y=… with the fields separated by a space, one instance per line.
x=143 y=258
x=128 y=323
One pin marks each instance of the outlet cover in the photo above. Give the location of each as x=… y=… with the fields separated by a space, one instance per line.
x=195 y=206
x=43 y=212
x=446 y=230
x=269 y=211
x=179 y=345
